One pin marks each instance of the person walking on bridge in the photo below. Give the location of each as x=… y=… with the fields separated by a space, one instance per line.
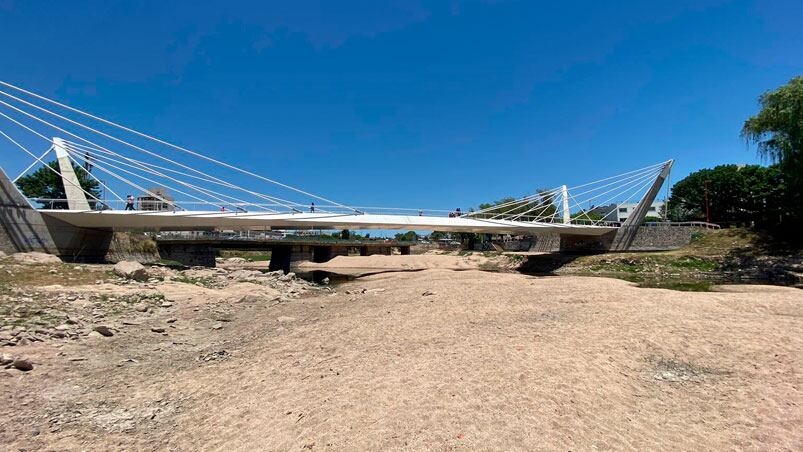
x=129 y=202
x=312 y=207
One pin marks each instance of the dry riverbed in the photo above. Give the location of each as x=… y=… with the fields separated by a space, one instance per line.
x=431 y=359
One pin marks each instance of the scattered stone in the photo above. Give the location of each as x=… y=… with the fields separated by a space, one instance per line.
x=131 y=270
x=285 y=319
x=22 y=364
x=428 y=293
x=171 y=320
x=71 y=298
x=288 y=277
x=221 y=354
x=141 y=307
x=103 y=330
x=35 y=257
x=6 y=358
x=62 y=327
x=94 y=334
x=217 y=326
x=166 y=304
x=325 y=281
x=157 y=329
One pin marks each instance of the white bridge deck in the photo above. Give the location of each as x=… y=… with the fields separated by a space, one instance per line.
x=122 y=220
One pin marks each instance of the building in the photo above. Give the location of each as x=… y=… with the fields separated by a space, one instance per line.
x=623 y=211
x=620 y=212
x=153 y=203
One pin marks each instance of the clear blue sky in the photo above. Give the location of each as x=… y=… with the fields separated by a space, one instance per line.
x=416 y=104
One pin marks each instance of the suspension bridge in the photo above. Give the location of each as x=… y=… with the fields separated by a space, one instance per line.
x=123 y=160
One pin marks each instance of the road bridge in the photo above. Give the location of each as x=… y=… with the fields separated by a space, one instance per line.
x=200 y=251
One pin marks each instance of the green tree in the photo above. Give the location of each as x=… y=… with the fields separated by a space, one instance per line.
x=736 y=194
x=46 y=184
x=409 y=236
x=777 y=130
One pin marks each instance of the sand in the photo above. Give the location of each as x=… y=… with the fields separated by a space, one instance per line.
x=483 y=361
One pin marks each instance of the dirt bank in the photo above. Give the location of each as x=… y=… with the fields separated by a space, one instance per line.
x=429 y=360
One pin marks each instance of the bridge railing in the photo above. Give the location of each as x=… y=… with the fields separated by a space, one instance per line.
x=151 y=204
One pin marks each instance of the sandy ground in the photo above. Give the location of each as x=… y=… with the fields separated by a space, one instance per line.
x=362 y=265
x=431 y=360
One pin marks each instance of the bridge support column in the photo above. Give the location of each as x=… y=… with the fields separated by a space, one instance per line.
x=190 y=255
x=404 y=250
x=280 y=258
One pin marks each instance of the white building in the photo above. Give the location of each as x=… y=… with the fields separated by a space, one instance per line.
x=623 y=211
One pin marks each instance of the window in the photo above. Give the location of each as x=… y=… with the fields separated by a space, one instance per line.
x=623 y=209
x=652 y=209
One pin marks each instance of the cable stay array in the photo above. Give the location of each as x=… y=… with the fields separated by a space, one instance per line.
x=121 y=160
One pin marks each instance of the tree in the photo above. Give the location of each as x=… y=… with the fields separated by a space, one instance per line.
x=409 y=236
x=777 y=130
x=736 y=194
x=46 y=184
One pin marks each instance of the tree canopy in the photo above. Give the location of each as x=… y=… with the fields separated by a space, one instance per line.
x=736 y=194
x=46 y=184
x=777 y=129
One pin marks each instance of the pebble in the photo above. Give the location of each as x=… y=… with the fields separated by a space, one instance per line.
x=428 y=293
x=22 y=364
x=285 y=319
x=157 y=329
x=141 y=307
x=6 y=358
x=103 y=330
x=166 y=304
x=217 y=326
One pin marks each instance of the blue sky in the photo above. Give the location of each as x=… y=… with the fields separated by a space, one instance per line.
x=416 y=104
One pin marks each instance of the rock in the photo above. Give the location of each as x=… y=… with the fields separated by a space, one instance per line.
x=246 y=274
x=287 y=277
x=22 y=364
x=6 y=358
x=428 y=293
x=171 y=320
x=94 y=334
x=325 y=281
x=217 y=326
x=131 y=270
x=62 y=327
x=103 y=330
x=35 y=257
x=166 y=304
x=141 y=307
x=285 y=319
x=157 y=329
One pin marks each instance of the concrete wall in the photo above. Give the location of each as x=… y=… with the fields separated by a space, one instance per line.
x=653 y=238
x=23 y=229
x=191 y=255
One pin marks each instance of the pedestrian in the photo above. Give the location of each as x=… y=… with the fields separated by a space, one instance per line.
x=458 y=213
x=129 y=202
x=312 y=207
